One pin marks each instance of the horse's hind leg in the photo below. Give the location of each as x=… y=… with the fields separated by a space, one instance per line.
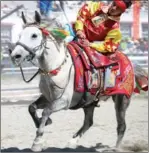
x=121 y=105
x=40 y=103
x=88 y=122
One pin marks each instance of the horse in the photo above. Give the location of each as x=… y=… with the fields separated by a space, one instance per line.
x=57 y=91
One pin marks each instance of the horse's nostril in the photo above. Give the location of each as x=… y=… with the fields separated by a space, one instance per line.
x=18 y=56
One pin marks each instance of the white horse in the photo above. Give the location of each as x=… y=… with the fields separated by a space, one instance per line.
x=58 y=90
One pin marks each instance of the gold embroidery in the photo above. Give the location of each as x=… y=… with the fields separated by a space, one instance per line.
x=128 y=83
x=123 y=57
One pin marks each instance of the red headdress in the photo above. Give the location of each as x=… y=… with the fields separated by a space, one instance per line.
x=123 y=4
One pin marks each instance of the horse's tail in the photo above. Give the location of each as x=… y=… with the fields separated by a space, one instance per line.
x=141 y=79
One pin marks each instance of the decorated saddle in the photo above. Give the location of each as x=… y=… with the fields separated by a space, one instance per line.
x=110 y=74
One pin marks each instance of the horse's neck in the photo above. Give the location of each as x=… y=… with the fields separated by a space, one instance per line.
x=52 y=57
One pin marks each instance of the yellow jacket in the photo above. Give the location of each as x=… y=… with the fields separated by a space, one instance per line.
x=98 y=26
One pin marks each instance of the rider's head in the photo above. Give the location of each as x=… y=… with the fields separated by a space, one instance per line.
x=119 y=6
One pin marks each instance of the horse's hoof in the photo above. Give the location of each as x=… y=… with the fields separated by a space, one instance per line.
x=36 y=148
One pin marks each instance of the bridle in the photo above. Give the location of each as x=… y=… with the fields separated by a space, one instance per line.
x=32 y=52
x=32 y=55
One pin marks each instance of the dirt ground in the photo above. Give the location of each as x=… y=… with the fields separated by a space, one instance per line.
x=18 y=130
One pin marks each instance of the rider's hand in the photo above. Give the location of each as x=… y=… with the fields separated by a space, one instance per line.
x=84 y=42
x=80 y=34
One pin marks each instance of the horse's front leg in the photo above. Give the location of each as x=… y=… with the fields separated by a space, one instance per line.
x=37 y=144
x=52 y=107
x=40 y=103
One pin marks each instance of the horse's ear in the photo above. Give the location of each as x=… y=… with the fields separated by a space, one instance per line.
x=23 y=18
x=37 y=17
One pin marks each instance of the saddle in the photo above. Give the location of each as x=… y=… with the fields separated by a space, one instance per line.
x=95 y=72
x=92 y=69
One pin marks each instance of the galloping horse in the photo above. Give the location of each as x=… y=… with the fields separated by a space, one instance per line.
x=58 y=90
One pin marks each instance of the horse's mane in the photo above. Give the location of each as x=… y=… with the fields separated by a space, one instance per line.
x=53 y=25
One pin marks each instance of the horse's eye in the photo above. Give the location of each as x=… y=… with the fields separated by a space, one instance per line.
x=34 y=36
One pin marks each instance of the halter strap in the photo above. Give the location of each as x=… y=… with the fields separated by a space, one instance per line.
x=45 y=33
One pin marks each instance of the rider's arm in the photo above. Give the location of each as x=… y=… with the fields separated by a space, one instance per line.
x=86 y=12
x=110 y=43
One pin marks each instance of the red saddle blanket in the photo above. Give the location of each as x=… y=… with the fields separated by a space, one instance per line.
x=86 y=58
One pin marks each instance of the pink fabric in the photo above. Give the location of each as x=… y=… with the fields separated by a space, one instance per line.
x=124 y=82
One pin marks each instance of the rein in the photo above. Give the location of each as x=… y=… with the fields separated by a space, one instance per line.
x=32 y=55
x=27 y=81
x=42 y=72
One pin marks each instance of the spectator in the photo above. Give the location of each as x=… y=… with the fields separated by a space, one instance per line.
x=129 y=45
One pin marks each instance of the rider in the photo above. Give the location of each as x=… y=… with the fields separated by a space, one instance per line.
x=97 y=21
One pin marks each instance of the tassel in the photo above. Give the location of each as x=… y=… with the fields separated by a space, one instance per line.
x=60 y=33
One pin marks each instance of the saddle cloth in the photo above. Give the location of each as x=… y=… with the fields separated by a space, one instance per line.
x=111 y=74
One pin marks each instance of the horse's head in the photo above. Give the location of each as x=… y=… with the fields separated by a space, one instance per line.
x=31 y=42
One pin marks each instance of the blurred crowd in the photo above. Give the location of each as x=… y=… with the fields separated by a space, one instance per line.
x=130 y=46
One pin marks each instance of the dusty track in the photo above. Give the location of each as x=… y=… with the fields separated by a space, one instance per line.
x=18 y=131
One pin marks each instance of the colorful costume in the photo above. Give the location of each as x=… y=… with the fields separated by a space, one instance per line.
x=66 y=33
x=98 y=26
